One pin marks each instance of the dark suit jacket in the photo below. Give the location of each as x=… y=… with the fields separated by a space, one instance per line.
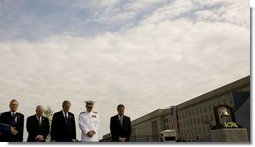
x=34 y=129
x=6 y=118
x=120 y=131
x=60 y=131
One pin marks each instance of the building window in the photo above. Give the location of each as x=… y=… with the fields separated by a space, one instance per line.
x=214 y=104
x=225 y=101
x=196 y=130
x=231 y=101
x=211 y=117
x=185 y=133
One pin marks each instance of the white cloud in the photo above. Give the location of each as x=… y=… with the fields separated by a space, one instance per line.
x=94 y=4
x=160 y=62
x=168 y=12
x=145 y=64
x=238 y=12
x=142 y=4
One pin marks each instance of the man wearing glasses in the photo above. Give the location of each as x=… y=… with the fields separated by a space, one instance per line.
x=88 y=123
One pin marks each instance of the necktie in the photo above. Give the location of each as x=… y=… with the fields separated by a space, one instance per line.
x=66 y=117
x=121 y=120
x=39 y=121
x=13 y=119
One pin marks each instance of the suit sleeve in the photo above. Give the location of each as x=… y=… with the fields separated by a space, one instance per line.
x=47 y=127
x=74 y=128
x=128 y=129
x=53 y=128
x=28 y=125
x=2 y=119
x=113 y=127
x=20 y=128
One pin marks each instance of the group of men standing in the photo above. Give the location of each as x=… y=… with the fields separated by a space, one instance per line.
x=63 y=128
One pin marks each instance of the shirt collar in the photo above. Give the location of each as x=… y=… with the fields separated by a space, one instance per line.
x=13 y=113
x=120 y=116
x=64 y=113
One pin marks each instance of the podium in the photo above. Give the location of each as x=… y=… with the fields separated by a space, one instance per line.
x=226 y=128
x=229 y=135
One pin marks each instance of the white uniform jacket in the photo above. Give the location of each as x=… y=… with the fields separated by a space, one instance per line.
x=88 y=121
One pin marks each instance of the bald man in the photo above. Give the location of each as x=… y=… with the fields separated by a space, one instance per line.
x=37 y=126
x=15 y=120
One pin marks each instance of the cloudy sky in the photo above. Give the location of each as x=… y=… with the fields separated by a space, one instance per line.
x=146 y=54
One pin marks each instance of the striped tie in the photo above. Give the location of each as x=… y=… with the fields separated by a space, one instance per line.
x=13 y=119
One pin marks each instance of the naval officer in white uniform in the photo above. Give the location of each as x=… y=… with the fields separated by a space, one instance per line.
x=88 y=123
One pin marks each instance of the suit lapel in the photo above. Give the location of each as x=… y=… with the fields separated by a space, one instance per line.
x=17 y=118
x=35 y=121
x=63 y=117
x=123 y=121
x=118 y=121
x=43 y=121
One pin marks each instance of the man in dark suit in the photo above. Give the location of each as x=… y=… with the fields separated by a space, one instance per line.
x=37 y=126
x=120 y=126
x=15 y=120
x=63 y=125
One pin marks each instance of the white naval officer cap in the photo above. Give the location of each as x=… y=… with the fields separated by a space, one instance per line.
x=89 y=103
